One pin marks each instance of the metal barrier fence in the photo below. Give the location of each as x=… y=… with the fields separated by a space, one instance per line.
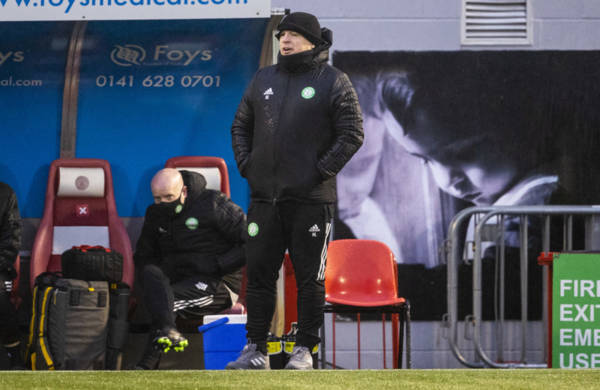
x=489 y=224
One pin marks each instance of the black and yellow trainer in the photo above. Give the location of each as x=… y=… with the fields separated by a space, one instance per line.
x=170 y=339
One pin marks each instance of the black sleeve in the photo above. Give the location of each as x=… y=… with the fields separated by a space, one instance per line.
x=10 y=230
x=242 y=129
x=147 y=250
x=231 y=222
x=347 y=122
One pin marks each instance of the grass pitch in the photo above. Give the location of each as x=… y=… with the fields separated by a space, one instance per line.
x=299 y=380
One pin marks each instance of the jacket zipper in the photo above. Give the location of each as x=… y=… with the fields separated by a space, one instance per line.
x=276 y=135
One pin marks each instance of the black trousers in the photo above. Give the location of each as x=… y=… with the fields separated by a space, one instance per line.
x=303 y=229
x=189 y=298
x=9 y=331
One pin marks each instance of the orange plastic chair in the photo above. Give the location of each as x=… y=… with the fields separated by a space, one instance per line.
x=361 y=277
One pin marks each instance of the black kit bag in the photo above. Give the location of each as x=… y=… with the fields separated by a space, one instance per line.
x=69 y=324
x=92 y=263
x=37 y=354
x=118 y=326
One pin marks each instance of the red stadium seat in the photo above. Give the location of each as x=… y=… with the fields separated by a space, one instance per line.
x=79 y=210
x=214 y=170
x=361 y=277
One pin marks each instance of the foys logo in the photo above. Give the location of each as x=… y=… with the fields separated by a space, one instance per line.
x=128 y=55
x=11 y=56
x=131 y=54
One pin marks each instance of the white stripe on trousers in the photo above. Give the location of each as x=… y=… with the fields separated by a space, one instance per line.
x=321 y=273
x=200 y=302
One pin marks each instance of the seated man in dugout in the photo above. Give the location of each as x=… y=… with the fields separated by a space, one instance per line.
x=10 y=243
x=188 y=257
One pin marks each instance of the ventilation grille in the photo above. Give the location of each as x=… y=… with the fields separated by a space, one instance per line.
x=496 y=22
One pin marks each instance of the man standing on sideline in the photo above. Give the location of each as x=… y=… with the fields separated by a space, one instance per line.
x=297 y=125
x=189 y=256
x=10 y=243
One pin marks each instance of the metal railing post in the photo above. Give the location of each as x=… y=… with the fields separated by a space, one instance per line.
x=524 y=247
x=502 y=290
x=545 y=248
x=452 y=285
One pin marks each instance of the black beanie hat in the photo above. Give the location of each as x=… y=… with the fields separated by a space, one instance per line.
x=303 y=23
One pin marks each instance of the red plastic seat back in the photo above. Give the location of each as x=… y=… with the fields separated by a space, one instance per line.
x=79 y=210
x=214 y=169
x=361 y=273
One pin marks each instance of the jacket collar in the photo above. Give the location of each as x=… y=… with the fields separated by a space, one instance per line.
x=304 y=61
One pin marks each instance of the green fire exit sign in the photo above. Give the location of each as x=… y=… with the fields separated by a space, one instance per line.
x=576 y=310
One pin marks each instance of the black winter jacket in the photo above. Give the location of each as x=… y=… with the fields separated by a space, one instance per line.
x=297 y=125
x=204 y=239
x=10 y=230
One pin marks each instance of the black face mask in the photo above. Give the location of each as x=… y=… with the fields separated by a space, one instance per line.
x=170 y=208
